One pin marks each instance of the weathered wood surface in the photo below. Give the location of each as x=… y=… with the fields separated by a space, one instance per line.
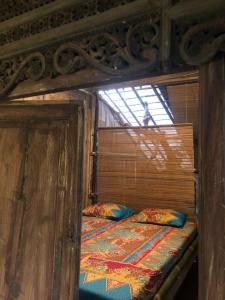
x=212 y=171
x=87 y=101
x=70 y=82
x=37 y=13
x=94 y=183
x=40 y=202
x=66 y=97
x=89 y=132
x=166 y=35
x=97 y=40
x=194 y=10
x=68 y=31
x=11 y=141
x=107 y=116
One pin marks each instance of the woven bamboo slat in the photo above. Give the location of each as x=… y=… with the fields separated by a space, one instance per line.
x=147 y=167
x=184 y=102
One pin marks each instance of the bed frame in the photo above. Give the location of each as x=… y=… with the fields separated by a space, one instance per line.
x=172 y=283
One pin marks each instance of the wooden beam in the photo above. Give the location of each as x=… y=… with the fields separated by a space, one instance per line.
x=98 y=79
x=166 y=36
x=94 y=171
x=69 y=31
x=161 y=79
x=37 y=13
x=212 y=181
x=195 y=10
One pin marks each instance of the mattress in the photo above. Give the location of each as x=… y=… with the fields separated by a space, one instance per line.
x=125 y=260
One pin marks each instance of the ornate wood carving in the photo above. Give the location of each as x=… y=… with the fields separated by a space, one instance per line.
x=134 y=49
x=19 y=69
x=12 y=8
x=132 y=44
x=125 y=48
x=200 y=42
x=59 y=18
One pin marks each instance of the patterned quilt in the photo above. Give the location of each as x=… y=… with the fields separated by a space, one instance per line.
x=125 y=260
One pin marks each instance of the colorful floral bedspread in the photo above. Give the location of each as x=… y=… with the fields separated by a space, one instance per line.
x=93 y=226
x=125 y=260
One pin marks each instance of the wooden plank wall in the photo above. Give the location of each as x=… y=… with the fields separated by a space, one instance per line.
x=107 y=117
x=142 y=167
x=89 y=121
x=212 y=179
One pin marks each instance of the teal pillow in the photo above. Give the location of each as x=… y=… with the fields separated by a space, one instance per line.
x=161 y=216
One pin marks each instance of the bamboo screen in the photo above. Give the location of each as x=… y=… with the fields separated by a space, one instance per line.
x=147 y=167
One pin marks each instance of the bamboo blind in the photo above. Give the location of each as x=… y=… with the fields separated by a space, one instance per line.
x=147 y=167
x=184 y=101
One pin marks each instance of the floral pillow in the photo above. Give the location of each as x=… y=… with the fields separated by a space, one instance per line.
x=161 y=217
x=108 y=210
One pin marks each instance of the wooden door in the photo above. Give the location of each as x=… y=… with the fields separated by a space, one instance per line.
x=212 y=171
x=40 y=183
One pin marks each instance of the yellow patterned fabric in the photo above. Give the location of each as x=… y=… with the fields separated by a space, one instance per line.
x=128 y=261
x=108 y=210
x=159 y=216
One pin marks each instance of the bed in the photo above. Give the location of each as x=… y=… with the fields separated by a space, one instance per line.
x=126 y=260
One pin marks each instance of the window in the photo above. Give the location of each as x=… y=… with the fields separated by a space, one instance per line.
x=129 y=102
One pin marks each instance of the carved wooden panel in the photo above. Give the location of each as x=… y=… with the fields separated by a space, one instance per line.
x=73 y=13
x=40 y=202
x=101 y=40
x=123 y=49
x=197 y=43
x=13 y=8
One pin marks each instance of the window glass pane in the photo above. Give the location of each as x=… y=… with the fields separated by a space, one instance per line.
x=128 y=95
x=161 y=117
x=136 y=107
x=146 y=94
x=164 y=122
x=157 y=111
x=112 y=91
x=151 y=99
x=139 y=114
x=127 y=89
x=133 y=101
x=115 y=97
x=156 y=105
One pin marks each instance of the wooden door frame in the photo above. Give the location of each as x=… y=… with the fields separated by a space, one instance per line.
x=212 y=177
x=170 y=37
